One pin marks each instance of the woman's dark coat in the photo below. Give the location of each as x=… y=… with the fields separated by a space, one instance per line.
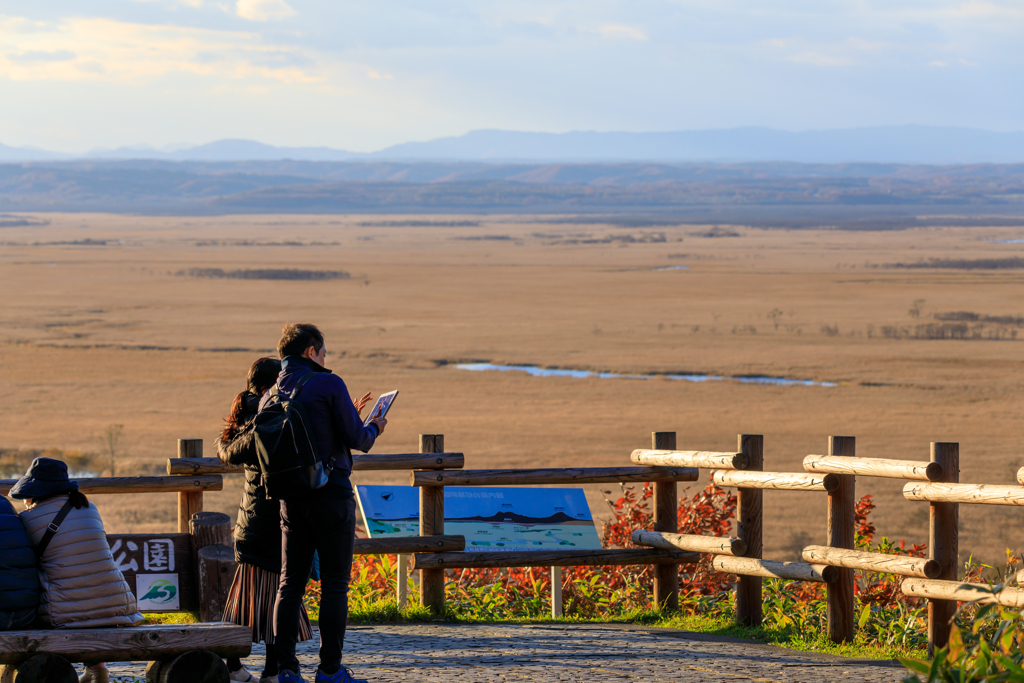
x=258 y=527
x=19 y=572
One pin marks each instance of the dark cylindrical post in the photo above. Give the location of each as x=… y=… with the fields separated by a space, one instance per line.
x=666 y=518
x=189 y=503
x=944 y=544
x=749 y=526
x=432 y=524
x=841 y=505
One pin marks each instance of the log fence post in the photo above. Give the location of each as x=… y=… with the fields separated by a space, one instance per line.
x=215 y=562
x=666 y=519
x=189 y=502
x=432 y=524
x=943 y=544
x=556 y=592
x=749 y=523
x=841 y=506
x=402 y=588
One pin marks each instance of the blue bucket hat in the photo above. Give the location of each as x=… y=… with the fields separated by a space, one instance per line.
x=45 y=477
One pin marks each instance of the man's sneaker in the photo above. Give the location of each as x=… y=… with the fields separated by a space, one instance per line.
x=342 y=676
x=241 y=675
x=286 y=676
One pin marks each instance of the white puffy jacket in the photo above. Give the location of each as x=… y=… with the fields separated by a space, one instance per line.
x=82 y=586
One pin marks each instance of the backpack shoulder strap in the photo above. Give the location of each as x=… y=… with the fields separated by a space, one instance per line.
x=52 y=528
x=301 y=383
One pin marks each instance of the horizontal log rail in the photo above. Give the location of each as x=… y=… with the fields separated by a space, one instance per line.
x=782 y=481
x=407 y=545
x=772 y=569
x=962 y=592
x=874 y=467
x=902 y=565
x=96 y=485
x=582 y=475
x=552 y=558
x=985 y=494
x=692 y=542
x=706 y=459
x=139 y=643
x=360 y=461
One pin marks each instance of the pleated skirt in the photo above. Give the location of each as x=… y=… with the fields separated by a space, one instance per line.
x=251 y=603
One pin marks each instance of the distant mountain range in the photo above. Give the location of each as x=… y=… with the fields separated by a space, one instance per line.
x=883 y=144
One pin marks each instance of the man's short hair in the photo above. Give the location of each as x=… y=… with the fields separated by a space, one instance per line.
x=297 y=337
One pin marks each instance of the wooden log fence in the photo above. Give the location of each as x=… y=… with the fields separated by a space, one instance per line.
x=103 y=485
x=957 y=591
x=902 y=565
x=692 y=542
x=984 y=494
x=773 y=569
x=673 y=458
x=874 y=467
x=935 y=481
x=584 y=475
x=781 y=481
x=360 y=461
x=666 y=520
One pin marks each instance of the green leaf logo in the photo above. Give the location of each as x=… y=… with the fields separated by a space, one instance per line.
x=161 y=592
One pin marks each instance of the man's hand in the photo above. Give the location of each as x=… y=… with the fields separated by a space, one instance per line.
x=361 y=403
x=380 y=421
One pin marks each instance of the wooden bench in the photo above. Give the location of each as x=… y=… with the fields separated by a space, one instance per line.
x=177 y=653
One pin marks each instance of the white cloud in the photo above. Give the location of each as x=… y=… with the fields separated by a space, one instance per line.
x=620 y=31
x=377 y=75
x=87 y=49
x=264 y=10
x=940 y=64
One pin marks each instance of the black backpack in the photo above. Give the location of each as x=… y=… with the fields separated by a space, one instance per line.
x=288 y=461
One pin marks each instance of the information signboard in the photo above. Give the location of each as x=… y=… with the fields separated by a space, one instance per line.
x=491 y=518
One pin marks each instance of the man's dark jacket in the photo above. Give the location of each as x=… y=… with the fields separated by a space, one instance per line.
x=19 y=575
x=258 y=527
x=335 y=426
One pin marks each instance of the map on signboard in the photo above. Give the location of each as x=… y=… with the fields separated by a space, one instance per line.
x=491 y=519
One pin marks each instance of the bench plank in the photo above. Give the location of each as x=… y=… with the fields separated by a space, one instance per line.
x=130 y=644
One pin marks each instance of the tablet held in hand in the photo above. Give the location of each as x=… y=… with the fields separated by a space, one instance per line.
x=382 y=406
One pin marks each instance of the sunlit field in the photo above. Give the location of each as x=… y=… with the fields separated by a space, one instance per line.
x=150 y=324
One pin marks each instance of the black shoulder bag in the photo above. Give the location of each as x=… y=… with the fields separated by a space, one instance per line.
x=52 y=528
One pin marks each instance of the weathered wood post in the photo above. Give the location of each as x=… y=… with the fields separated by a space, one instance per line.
x=210 y=528
x=432 y=524
x=189 y=502
x=666 y=519
x=556 y=593
x=215 y=562
x=402 y=575
x=841 y=505
x=749 y=523
x=944 y=544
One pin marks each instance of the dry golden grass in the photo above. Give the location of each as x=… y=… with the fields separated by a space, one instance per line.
x=101 y=335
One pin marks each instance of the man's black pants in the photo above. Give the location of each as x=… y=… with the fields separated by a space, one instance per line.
x=323 y=520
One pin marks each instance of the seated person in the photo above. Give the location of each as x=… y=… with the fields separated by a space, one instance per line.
x=82 y=586
x=19 y=577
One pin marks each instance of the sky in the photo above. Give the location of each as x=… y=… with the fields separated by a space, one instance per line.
x=77 y=75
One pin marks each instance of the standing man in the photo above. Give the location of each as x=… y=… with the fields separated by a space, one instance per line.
x=325 y=519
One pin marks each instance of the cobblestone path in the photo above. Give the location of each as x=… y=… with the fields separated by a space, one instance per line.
x=553 y=652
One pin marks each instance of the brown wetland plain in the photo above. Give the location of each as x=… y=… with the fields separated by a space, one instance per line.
x=102 y=324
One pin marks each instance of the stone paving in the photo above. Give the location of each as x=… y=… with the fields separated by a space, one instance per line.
x=569 y=652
